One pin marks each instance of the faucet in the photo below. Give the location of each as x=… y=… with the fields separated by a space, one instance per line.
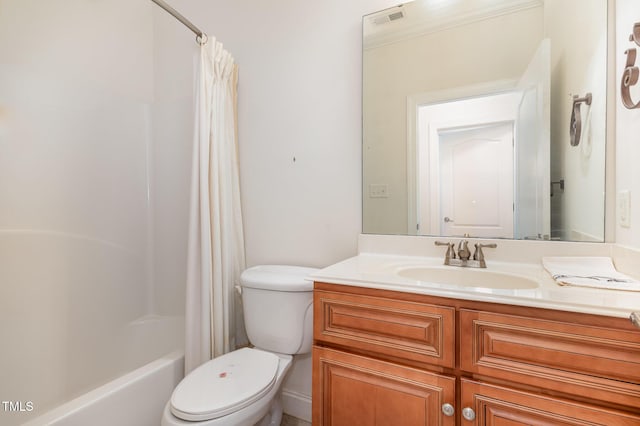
x=463 y=257
x=463 y=250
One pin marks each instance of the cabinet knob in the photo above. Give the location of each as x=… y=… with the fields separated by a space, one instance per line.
x=448 y=410
x=468 y=413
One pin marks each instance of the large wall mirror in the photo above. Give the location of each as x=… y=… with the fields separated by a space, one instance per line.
x=487 y=118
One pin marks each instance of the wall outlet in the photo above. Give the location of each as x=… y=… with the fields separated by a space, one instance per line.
x=378 y=190
x=624 y=208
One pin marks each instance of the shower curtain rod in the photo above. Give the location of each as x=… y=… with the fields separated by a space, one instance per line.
x=201 y=37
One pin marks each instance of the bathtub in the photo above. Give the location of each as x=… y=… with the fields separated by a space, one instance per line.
x=136 y=398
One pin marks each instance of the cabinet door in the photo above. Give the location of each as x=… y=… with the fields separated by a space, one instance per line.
x=354 y=390
x=497 y=406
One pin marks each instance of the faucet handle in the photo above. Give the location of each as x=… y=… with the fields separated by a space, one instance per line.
x=450 y=254
x=479 y=255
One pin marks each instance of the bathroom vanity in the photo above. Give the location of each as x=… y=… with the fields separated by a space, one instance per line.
x=395 y=351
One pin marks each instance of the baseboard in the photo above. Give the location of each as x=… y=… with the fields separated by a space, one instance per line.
x=296 y=404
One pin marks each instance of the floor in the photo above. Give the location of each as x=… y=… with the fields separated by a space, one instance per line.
x=288 y=420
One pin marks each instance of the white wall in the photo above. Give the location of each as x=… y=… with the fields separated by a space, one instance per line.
x=75 y=88
x=299 y=97
x=627 y=126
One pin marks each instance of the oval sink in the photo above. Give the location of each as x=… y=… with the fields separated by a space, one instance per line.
x=463 y=277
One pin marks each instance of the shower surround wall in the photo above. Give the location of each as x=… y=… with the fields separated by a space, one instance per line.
x=89 y=243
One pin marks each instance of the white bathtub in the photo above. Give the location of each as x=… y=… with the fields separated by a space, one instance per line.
x=136 y=398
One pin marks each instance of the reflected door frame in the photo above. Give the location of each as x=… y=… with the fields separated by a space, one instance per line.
x=420 y=162
x=475 y=180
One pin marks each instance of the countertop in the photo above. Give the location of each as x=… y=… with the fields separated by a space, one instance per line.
x=380 y=271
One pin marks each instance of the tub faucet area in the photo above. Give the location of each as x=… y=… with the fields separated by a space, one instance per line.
x=463 y=256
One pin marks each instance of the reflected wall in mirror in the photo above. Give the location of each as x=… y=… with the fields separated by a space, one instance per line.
x=468 y=111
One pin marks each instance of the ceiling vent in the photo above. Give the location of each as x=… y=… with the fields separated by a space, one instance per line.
x=388 y=15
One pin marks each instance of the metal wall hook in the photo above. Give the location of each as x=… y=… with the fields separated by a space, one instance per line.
x=631 y=73
x=635 y=33
x=575 y=127
x=560 y=183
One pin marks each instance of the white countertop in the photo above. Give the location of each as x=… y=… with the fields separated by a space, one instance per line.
x=380 y=271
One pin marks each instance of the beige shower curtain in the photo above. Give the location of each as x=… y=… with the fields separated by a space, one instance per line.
x=216 y=239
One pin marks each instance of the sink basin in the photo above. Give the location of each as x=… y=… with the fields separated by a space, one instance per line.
x=464 y=277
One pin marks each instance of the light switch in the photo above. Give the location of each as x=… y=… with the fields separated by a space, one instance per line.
x=624 y=209
x=378 y=190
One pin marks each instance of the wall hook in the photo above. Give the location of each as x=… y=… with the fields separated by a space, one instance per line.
x=560 y=183
x=575 y=127
x=635 y=33
x=631 y=72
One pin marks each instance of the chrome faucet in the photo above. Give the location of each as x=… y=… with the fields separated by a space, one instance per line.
x=463 y=257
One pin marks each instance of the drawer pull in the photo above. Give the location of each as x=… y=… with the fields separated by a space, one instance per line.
x=468 y=414
x=448 y=410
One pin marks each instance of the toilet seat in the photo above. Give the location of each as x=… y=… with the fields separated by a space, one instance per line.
x=225 y=384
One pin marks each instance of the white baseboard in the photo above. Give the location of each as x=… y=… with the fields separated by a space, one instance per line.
x=296 y=404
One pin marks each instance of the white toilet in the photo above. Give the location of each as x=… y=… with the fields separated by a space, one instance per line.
x=242 y=388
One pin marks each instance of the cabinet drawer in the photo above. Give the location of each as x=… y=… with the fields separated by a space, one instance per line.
x=585 y=361
x=412 y=331
x=496 y=405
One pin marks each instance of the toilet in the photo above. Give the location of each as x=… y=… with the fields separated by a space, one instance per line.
x=242 y=388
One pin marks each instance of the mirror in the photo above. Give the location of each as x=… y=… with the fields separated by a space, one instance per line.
x=487 y=118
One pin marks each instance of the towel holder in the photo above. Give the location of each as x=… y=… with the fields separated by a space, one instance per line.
x=575 y=127
x=631 y=73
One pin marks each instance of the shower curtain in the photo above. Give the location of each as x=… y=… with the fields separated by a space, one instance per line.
x=216 y=240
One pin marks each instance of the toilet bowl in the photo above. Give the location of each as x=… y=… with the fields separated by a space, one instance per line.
x=238 y=406
x=242 y=388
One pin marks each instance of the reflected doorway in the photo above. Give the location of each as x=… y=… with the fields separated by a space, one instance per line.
x=476 y=181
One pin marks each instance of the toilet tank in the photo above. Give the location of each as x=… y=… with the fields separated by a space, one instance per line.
x=277 y=302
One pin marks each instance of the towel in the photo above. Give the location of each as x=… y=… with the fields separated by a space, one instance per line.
x=594 y=272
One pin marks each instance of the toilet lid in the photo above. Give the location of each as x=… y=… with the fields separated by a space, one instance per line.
x=225 y=385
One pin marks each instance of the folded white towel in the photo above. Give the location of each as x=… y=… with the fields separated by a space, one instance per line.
x=595 y=272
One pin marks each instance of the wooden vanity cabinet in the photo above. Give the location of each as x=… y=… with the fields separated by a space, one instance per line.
x=391 y=358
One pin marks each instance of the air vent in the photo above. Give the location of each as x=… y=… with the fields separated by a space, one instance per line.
x=397 y=15
x=388 y=16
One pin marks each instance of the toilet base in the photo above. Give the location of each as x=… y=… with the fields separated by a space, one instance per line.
x=274 y=416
